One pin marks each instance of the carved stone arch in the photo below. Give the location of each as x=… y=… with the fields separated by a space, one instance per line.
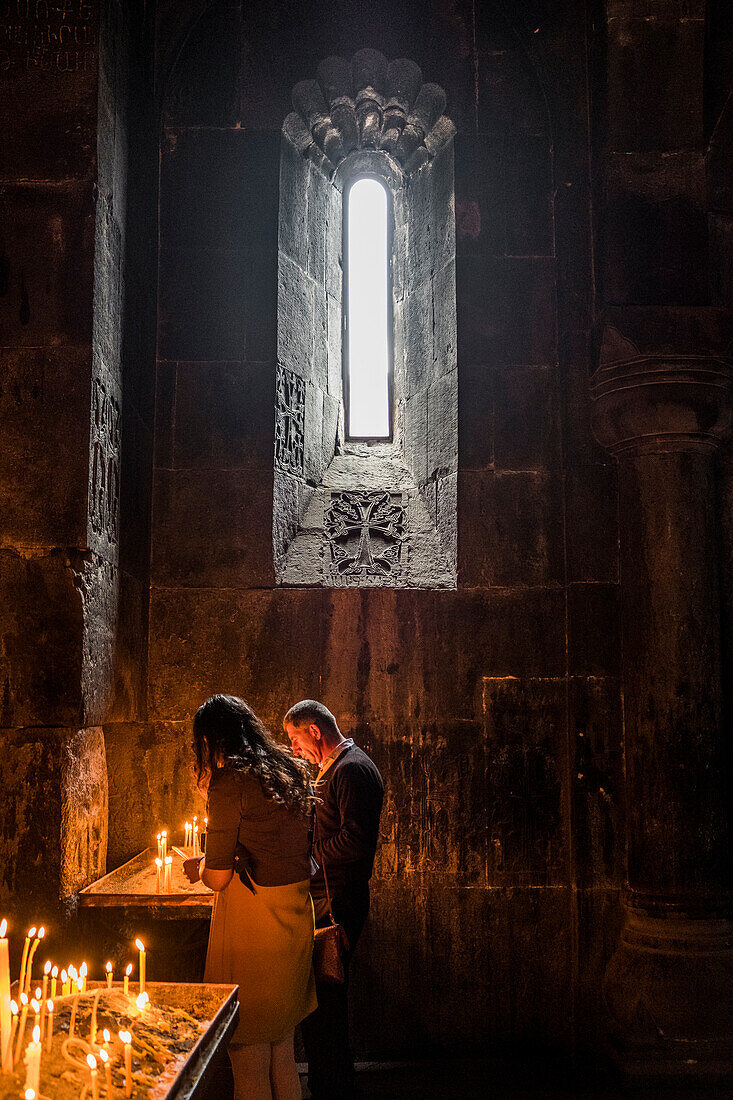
x=367 y=116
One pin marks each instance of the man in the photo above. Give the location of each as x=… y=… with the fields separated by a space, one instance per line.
x=349 y=793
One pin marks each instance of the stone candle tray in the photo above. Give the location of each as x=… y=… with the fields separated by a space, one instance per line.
x=174 y=1042
x=134 y=885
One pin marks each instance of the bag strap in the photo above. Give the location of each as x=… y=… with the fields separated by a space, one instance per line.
x=323 y=867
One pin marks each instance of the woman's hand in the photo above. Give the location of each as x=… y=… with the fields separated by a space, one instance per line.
x=191 y=868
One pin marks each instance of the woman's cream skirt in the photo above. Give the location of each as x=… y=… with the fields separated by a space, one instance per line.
x=263 y=942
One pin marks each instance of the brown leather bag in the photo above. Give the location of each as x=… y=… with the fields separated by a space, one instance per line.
x=330 y=944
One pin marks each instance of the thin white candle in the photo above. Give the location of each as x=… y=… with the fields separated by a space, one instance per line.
x=83 y=971
x=159 y=845
x=168 y=873
x=158 y=870
x=49 y=1024
x=54 y=977
x=6 y=1016
x=126 y=1037
x=29 y=970
x=21 y=1026
x=92 y=1063
x=46 y=972
x=195 y=836
x=9 y=1059
x=104 y=1059
x=163 y=845
x=126 y=980
x=108 y=969
x=24 y=957
x=141 y=948
x=95 y=1005
x=33 y=1061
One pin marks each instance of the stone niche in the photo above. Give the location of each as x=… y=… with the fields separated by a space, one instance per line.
x=367 y=513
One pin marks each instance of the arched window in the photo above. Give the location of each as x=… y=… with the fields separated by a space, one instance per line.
x=368 y=392
x=366 y=441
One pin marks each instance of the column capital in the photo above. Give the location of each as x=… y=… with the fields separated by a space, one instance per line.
x=658 y=403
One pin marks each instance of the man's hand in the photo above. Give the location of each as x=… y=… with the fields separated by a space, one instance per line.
x=191 y=868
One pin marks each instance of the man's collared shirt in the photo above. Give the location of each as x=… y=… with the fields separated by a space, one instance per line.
x=332 y=757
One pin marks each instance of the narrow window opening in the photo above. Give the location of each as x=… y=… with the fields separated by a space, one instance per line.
x=368 y=373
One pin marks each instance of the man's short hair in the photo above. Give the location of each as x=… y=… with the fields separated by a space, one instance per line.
x=309 y=712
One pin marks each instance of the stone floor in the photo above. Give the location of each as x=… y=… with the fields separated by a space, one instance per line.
x=466 y=1080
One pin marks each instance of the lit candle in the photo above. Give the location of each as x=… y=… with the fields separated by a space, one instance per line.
x=104 y=1058
x=142 y=1002
x=30 y=1094
x=126 y=981
x=54 y=976
x=163 y=845
x=6 y=1016
x=24 y=957
x=73 y=977
x=9 y=1059
x=29 y=971
x=108 y=968
x=33 y=1061
x=159 y=846
x=126 y=1038
x=106 y=1036
x=186 y=834
x=158 y=869
x=65 y=984
x=92 y=1063
x=141 y=948
x=35 y=1005
x=46 y=972
x=83 y=971
x=49 y=1024
x=195 y=836
x=21 y=1025
x=95 y=1004
x=168 y=873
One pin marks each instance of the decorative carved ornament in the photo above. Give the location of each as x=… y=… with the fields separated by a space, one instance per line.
x=289 y=422
x=366 y=538
x=104 y=490
x=647 y=402
x=368 y=103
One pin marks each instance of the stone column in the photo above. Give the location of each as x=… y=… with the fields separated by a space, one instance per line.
x=669 y=985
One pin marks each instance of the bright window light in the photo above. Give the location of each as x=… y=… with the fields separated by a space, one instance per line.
x=367 y=311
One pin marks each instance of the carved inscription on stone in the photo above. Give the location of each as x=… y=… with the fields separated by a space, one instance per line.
x=366 y=538
x=289 y=422
x=104 y=488
x=46 y=36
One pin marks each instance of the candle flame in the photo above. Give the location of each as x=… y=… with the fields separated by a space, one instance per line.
x=163 y=834
x=80 y=984
x=103 y=1055
x=24 y=998
x=128 y=969
x=125 y=1037
x=73 y=972
x=55 y=972
x=31 y=933
x=47 y=967
x=49 y=1005
x=35 y=1005
x=14 y=1007
x=64 y=976
x=83 y=971
x=169 y=859
x=141 y=1001
x=106 y=1035
x=37 y=1033
x=139 y=945
x=158 y=862
x=38 y=992
x=41 y=932
x=108 y=967
x=3 y=929
x=91 y=1061
x=30 y=1094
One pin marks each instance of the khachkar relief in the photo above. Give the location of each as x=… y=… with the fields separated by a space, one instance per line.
x=366 y=538
x=104 y=490
x=289 y=422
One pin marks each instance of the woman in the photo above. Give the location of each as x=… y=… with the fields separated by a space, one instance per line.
x=261 y=936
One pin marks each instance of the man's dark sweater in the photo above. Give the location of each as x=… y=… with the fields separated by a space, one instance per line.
x=350 y=795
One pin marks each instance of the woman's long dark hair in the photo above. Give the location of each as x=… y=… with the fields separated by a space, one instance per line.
x=228 y=733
